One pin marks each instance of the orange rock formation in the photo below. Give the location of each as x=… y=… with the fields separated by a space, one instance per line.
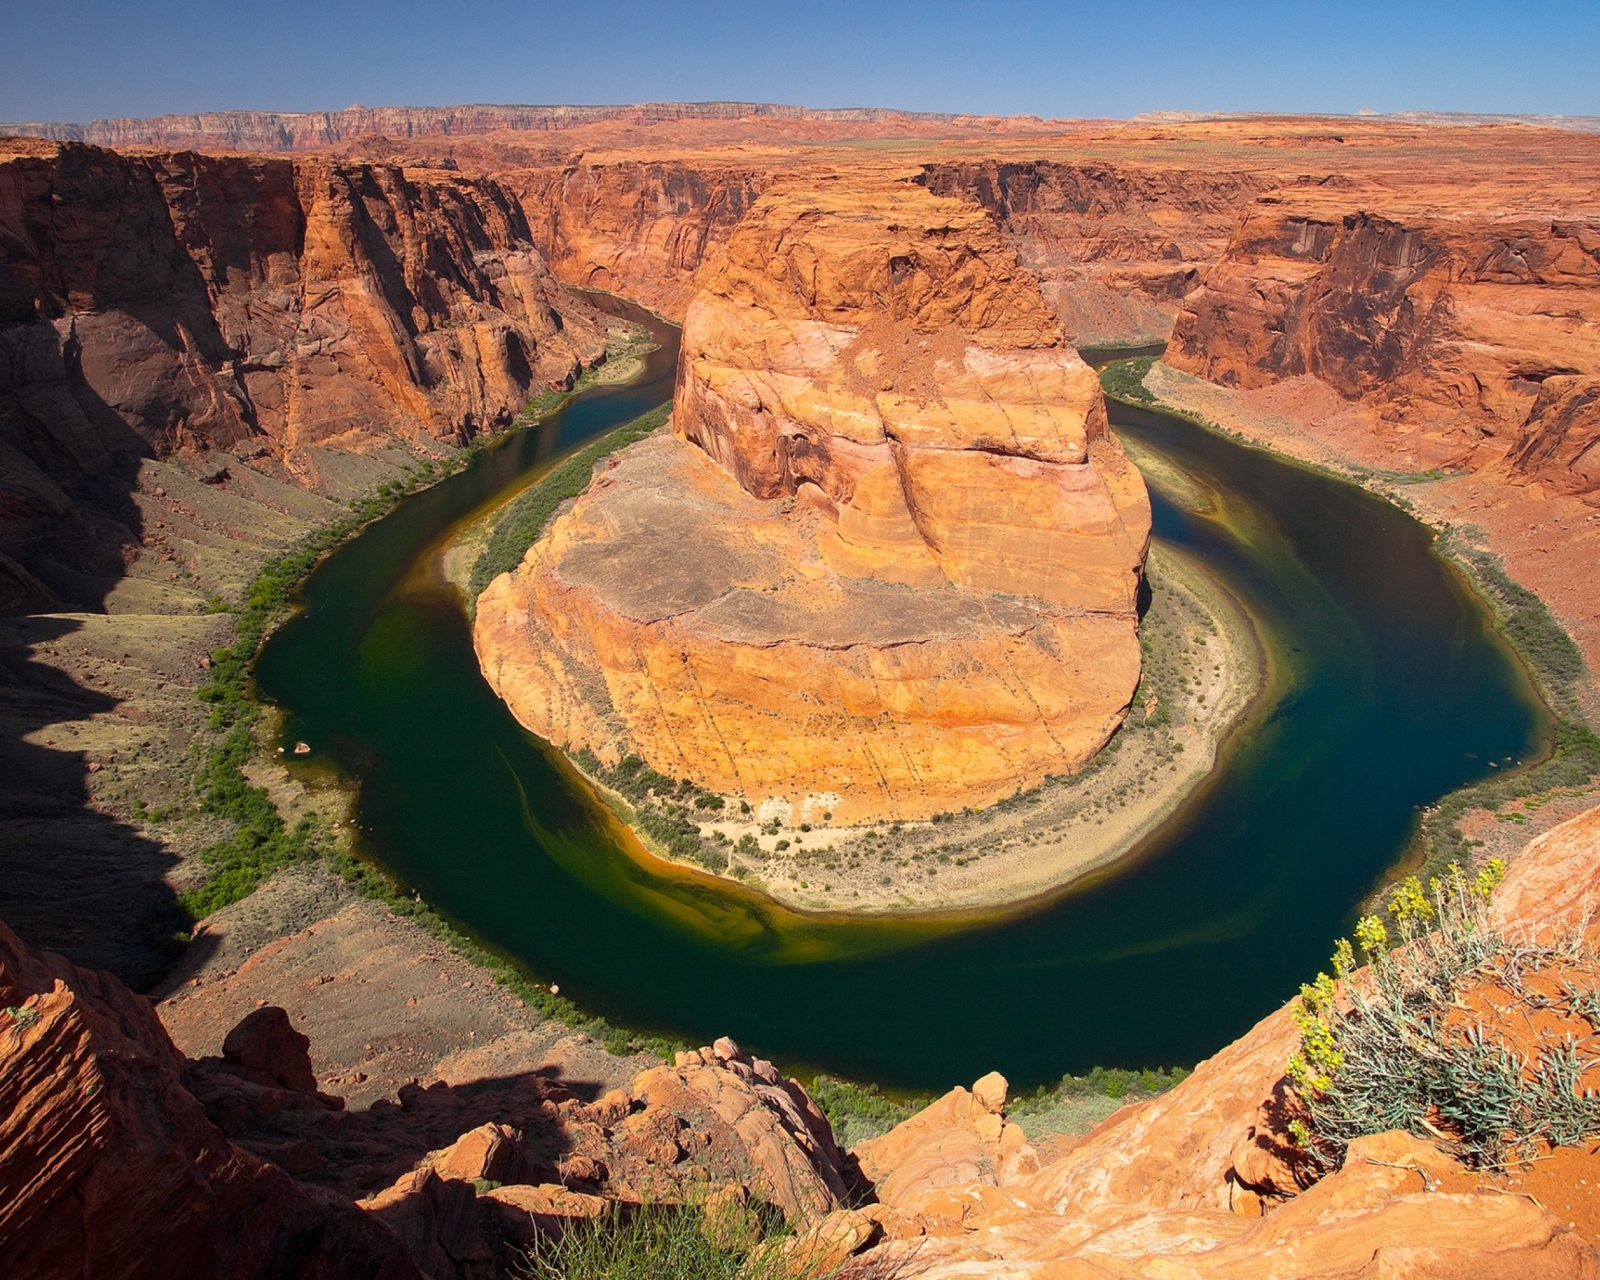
x=896 y=575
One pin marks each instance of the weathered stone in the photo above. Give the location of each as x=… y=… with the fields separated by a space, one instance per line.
x=910 y=418
x=265 y=1041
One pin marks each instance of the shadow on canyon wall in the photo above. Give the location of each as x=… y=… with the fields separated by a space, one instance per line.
x=73 y=878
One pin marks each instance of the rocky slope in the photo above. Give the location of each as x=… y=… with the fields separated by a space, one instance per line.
x=890 y=467
x=166 y=303
x=121 y=1157
x=109 y=1166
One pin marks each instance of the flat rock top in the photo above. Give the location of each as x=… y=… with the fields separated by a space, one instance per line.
x=663 y=535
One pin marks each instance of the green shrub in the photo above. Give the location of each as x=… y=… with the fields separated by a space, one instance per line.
x=1385 y=1054
x=859 y=1111
x=525 y=517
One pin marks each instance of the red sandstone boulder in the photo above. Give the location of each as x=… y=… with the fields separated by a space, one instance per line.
x=271 y=1051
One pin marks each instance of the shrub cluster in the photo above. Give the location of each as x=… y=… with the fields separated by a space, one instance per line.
x=1124 y=380
x=664 y=808
x=857 y=1112
x=1392 y=1049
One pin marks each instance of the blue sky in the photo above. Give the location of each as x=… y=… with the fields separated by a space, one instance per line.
x=81 y=59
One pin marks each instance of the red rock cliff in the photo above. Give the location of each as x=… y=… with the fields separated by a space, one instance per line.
x=1445 y=313
x=641 y=228
x=162 y=301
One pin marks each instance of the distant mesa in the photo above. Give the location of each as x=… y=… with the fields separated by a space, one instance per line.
x=310 y=130
x=888 y=562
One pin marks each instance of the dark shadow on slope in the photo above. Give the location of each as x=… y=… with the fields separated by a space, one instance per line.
x=72 y=879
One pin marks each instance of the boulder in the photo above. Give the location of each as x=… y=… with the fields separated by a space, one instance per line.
x=490 y=1152
x=266 y=1044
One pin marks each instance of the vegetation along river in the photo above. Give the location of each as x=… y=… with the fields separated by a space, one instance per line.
x=1389 y=689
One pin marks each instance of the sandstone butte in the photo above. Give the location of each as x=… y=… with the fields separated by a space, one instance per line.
x=886 y=565
x=121 y=1157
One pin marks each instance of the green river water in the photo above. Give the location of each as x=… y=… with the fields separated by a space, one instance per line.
x=1392 y=689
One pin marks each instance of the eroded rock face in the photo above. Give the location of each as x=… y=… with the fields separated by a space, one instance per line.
x=889 y=564
x=1438 y=309
x=642 y=228
x=1115 y=247
x=883 y=351
x=165 y=302
x=1560 y=442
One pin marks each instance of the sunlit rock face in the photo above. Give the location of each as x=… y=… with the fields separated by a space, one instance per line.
x=882 y=355
x=888 y=563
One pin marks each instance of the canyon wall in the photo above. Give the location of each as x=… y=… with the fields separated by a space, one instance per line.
x=640 y=228
x=175 y=302
x=1116 y=248
x=889 y=565
x=269 y=131
x=1443 y=313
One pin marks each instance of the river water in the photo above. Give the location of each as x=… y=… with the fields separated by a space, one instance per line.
x=1390 y=689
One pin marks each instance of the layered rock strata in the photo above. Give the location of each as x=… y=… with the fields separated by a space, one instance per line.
x=888 y=564
x=1444 y=312
x=174 y=302
x=1116 y=247
x=310 y=130
x=109 y=1166
x=642 y=228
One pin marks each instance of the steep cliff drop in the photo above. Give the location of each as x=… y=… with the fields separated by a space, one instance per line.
x=238 y=310
x=888 y=564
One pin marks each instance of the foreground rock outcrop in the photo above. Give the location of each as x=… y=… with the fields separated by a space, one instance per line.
x=120 y=1158
x=889 y=470
x=109 y=1166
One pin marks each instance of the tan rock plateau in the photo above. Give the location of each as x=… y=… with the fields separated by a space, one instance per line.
x=888 y=564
